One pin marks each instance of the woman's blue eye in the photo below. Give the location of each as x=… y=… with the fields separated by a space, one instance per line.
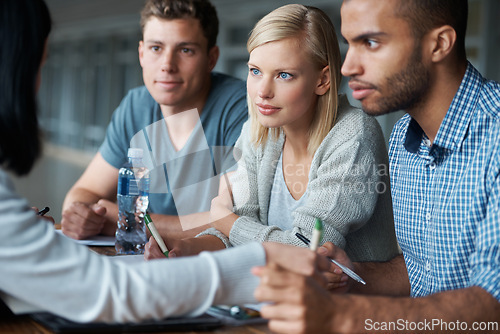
x=284 y=75
x=255 y=71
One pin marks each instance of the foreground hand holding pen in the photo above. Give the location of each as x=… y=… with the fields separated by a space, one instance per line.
x=293 y=288
x=43 y=211
x=313 y=245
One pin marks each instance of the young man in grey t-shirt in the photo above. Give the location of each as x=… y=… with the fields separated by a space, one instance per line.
x=186 y=117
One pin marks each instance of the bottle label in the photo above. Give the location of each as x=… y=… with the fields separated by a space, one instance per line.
x=122 y=186
x=133 y=187
x=128 y=186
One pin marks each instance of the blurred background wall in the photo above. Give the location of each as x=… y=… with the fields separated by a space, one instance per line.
x=93 y=62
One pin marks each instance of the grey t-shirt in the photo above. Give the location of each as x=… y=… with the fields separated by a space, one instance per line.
x=184 y=181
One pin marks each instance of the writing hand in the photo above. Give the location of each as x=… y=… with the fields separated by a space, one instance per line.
x=42 y=214
x=152 y=250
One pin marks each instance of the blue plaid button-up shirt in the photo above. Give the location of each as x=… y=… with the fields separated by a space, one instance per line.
x=447 y=196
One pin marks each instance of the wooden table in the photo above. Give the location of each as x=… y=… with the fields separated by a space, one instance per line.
x=24 y=324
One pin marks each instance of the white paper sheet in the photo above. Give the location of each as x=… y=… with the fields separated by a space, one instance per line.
x=97 y=240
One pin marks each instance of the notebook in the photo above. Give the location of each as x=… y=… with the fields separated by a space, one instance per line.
x=58 y=324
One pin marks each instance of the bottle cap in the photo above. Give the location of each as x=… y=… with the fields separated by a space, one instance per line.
x=135 y=153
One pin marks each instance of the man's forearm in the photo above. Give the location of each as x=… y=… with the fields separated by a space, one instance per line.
x=446 y=312
x=383 y=278
x=79 y=195
x=187 y=226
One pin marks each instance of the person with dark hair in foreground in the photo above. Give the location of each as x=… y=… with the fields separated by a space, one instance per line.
x=445 y=180
x=53 y=273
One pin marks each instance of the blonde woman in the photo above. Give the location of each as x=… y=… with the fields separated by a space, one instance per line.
x=305 y=152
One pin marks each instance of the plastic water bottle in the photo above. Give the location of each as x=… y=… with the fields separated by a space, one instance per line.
x=133 y=201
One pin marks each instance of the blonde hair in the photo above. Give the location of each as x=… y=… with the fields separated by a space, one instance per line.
x=318 y=35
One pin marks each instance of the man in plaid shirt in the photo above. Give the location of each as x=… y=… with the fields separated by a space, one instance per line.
x=445 y=182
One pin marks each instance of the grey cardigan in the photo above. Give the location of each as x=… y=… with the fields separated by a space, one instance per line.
x=348 y=189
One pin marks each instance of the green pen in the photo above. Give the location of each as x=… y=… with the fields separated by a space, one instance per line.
x=317 y=234
x=155 y=234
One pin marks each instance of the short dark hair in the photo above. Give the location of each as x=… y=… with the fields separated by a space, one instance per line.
x=425 y=15
x=202 y=10
x=24 y=28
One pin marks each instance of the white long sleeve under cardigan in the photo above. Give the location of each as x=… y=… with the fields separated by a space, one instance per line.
x=348 y=189
x=51 y=272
